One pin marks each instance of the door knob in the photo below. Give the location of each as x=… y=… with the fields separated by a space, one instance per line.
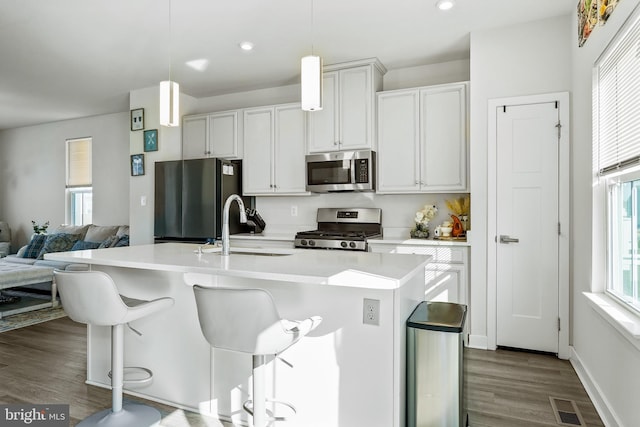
x=508 y=239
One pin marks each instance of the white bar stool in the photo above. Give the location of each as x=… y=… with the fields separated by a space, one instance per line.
x=91 y=297
x=247 y=321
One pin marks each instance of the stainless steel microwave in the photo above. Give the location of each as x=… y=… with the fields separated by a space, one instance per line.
x=341 y=171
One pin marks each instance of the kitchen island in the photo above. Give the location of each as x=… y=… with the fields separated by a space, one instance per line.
x=345 y=373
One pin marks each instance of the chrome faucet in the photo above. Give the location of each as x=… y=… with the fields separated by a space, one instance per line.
x=225 y=220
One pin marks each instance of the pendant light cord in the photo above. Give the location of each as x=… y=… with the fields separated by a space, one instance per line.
x=169 y=44
x=312 y=27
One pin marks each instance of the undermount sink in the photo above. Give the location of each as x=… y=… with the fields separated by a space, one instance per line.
x=249 y=251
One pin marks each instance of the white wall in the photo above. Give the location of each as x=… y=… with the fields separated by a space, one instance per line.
x=612 y=362
x=526 y=59
x=32 y=172
x=169 y=148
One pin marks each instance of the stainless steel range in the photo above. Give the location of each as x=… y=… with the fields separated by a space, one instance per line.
x=342 y=228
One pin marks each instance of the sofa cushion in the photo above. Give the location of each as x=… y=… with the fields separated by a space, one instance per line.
x=72 y=229
x=109 y=242
x=81 y=245
x=35 y=246
x=98 y=233
x=15 y=259
x=59 y=242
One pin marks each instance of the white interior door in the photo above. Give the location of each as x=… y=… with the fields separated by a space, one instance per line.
x=527 y=228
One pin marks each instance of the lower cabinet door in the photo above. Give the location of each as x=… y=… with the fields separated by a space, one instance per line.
x=445 y=283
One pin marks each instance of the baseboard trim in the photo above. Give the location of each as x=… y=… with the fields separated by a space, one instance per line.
x=597 y=397
x=478 y=341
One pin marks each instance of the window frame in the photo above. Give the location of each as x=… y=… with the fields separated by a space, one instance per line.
x=84 y=188
x=612 y=202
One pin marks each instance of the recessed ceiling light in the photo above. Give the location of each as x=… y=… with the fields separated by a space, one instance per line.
x=246 y=46
x=445 y=4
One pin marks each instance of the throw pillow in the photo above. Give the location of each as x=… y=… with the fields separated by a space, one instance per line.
x=35 y=246
x=98 y=233
x=124 y=241
x=59 y=242
x=109 y=241
x=81 y=245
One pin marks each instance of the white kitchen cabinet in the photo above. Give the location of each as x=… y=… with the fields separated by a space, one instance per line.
x=211 y=135
x=446 y=276
x=274 y=150
x=195 y=136
x=422 y=139
x=347 y=120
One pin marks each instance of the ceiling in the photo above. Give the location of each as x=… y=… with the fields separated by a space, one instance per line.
x=65 y=59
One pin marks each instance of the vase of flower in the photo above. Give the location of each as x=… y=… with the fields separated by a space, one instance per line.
x=420 y=231
x=421 y=228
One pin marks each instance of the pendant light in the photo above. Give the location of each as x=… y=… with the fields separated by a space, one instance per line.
x=311 y=78
x=169 y=94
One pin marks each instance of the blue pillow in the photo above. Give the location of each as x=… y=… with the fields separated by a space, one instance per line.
x=59 y=242
x=81 y=245
x=124 y=241
x=35 y=246
x=109 y=241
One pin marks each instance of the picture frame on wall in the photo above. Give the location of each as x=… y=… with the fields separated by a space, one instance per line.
x=137 y=119
x=137 y=164
x=587 y=19
x=605 y=9
x=151 y=140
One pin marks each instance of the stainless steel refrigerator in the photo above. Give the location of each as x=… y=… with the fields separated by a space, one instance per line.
x=190 y=195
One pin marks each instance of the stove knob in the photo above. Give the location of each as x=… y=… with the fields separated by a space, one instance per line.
x=303 y=242
x=312 y=242
x=352 y=244
x=343 y=244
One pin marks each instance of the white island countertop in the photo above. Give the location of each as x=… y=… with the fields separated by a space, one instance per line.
x=321 y=267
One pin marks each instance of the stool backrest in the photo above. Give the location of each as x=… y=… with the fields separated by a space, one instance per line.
x=244 y=320
x=90 y=297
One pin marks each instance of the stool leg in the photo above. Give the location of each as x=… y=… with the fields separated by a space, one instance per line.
x=119 y=415
x=259 y=391
x=117 y=366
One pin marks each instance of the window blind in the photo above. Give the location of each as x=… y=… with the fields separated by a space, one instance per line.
x=617 y=101
x=79 y=162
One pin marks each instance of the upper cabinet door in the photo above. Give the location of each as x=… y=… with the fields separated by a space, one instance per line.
x=398 y=142
x=289 y=149
x=356 y=108
x=323 y=124
x=195 y=137
x=258 y=143
x=443 y=129
x=223 y=135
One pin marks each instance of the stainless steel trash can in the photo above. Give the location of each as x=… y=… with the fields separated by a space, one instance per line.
x=434 y=365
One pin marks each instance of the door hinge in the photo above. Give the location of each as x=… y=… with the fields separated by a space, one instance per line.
x=559 y=127
x=559 y=329
x=559 y=229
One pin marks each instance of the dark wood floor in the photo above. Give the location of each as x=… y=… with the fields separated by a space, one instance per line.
x=46 y=363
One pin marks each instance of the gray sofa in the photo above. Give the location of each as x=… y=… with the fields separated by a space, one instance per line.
x=27 y=278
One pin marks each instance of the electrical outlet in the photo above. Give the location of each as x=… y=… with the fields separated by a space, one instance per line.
x=371 y=312
x=294 y=210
